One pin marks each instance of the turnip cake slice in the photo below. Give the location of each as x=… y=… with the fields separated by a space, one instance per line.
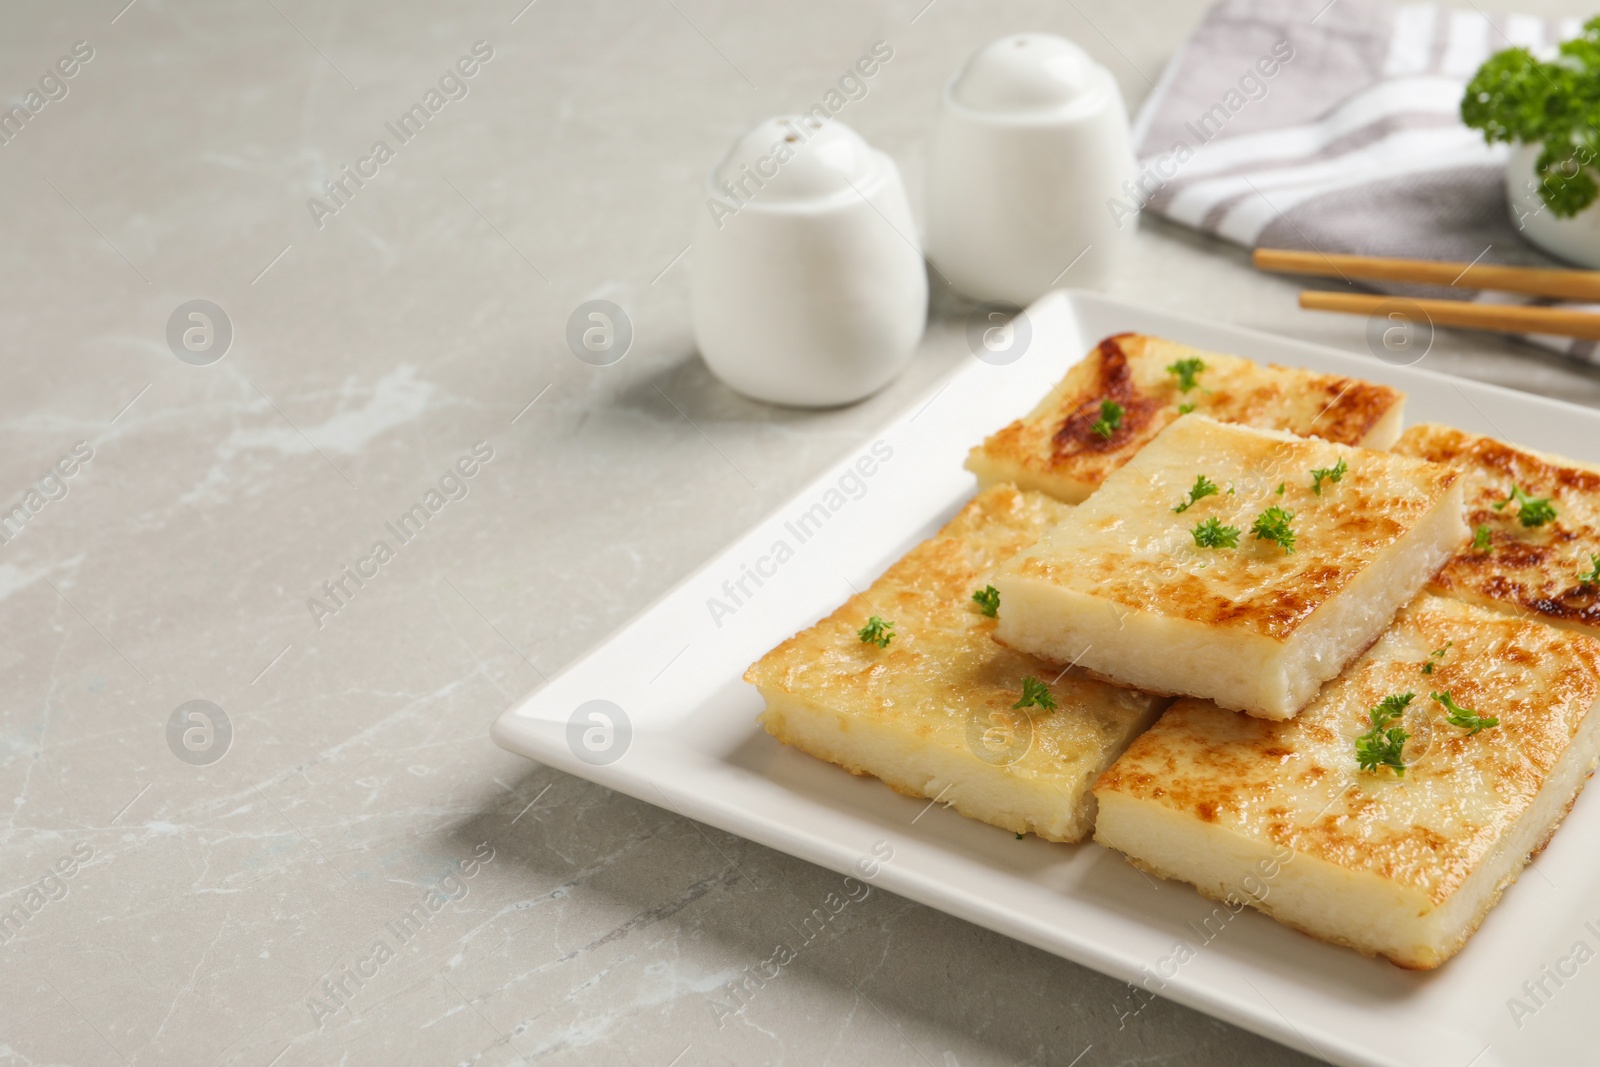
x=1400 y=858
x=906 y=682
x=1122 y=394
x=1243 y=566
x=1536 y=528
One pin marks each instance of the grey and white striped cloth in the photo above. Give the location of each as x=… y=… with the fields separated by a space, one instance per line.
x=1336 y=127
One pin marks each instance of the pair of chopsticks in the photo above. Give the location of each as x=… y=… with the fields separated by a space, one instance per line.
x=1505 y=318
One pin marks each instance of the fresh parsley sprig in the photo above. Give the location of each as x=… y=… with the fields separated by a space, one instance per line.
x=1202 y=488
x=1334 y=473
x=1531 y=510
x=1212 y=534
x=1187 y=370
x=1035 y=694
x=1273 y=525
x=1434 y=657
x=1110 y=419
x=1593 y=577
x=1516 y=98
x=876 y=632
x=1383 y=745
x=1465 y=718
x=1480 y=539
x=988 y=600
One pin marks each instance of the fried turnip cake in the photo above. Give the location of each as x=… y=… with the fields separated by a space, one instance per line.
x=906 y=682
x=1072 y=441
x=1536 y=528
x=1238 y=565
x=1394 y=845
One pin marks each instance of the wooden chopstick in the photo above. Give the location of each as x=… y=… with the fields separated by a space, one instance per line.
x=1566 y=284
x=1504 y=318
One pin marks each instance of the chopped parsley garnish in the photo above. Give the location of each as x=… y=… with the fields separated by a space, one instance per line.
x=1531 y=510
x=1110 y=419
x=1465 y=718
x=1273 y=525
x=1203 y=487
x=1019 y=837
x=1186 y=370
x=1434 y=657
x=1281 y=487
x=1035 y=694
x=988 y=600
x=1382 y=745
x=1334 y=473
x=1593 y=577
x=1480 y=539
x=1184 y=409
x=1212 y=534
x=876 y=632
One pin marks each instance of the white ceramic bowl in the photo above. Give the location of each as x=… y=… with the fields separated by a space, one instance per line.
x=1030 y=145
x=1576 y=240
x=809 y=286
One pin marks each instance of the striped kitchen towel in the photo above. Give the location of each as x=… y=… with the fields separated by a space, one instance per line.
x=1336 y=127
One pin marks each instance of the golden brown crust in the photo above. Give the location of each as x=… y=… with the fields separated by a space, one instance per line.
x=1297 y=783
x=931 y=584
x=1527 y=570
x=1127 y=547
x=943 y=671
x=1113 y=380
x=1056 y=448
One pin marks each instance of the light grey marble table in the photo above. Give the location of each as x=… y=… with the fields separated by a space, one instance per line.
x=178 y=911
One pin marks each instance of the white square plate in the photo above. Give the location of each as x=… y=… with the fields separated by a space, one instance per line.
x=686 y=738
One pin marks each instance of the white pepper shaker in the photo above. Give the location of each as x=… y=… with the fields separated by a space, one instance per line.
x=1030 y=146
x=809 y=286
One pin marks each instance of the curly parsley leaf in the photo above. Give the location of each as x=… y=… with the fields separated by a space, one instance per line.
x=1555 y=103
x=1035 y=694
x=876 y=632
x=1383 y=745
x=1465 y=718
x=1202 y=488
x=1273 y=525
x=988 y=600
x=1334 y=473
x=1187 y=370
x=1531 y=510
x=1212 y=534
x=1110 y=419
x=1391 y=708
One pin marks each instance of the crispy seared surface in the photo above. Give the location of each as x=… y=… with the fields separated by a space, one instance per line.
x=1534 y=570
x=943 y=671
x=1125 y=545
x=1055 y=447
x=1297 y=783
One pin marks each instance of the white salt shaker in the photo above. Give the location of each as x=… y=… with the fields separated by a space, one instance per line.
x=809 y=286
x=1030 y=145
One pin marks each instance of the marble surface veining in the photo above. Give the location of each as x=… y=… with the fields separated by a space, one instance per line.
x=363 y=877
